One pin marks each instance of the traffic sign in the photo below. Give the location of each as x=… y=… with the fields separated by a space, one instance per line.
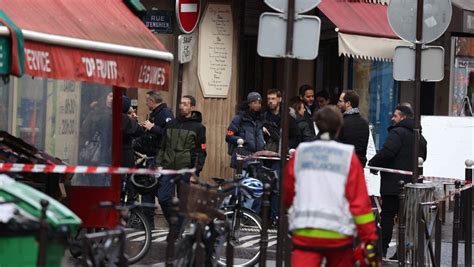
x=436 y=18
x=185 y=47
x=432 y=63
x=187 y=14
x=272 y=36
x=301 y=6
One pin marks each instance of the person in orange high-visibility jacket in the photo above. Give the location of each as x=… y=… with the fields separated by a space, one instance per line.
x=327 y=198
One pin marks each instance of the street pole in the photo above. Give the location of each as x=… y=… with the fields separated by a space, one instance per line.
x=287 y=70
x=417 y=130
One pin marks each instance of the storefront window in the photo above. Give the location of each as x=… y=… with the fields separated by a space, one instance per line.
x=69 y=120
x=462 y=93
x=373 y=81
x=95 y=135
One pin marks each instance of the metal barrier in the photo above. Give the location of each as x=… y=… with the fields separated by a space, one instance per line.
x=264 y=232
x=429 y=224
x=468 y=215
x=414 y=195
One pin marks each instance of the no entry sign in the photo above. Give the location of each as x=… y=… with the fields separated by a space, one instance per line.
x=187 y=13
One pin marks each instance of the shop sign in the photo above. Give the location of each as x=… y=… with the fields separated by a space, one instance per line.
x=64 y=63
x=4 y=56
x=159 y=21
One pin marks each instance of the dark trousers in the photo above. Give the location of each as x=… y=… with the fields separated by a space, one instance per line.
x=390 y=205
x=168 y=186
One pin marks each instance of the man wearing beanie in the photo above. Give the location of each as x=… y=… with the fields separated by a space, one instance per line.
x=248 y=125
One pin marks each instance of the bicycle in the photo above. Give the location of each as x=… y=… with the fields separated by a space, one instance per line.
x=138 y=232
x=245 y=225
x=201 y=204
x=127 y=244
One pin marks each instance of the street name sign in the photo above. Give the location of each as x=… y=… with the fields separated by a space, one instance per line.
x=159 y=21
x=272 y=36
x=301 y=6
x=436 y=18
x=187 y=14
x=432 y=63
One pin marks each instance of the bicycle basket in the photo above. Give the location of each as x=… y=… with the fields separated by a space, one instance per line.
x=144 y=183
x=200 y=203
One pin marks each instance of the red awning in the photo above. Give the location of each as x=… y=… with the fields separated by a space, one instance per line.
x=358 y=17
x=89 y=40
x=363 y=29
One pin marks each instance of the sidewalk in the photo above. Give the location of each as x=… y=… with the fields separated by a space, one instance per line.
x=446 y=244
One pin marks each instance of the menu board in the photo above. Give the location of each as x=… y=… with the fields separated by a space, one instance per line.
x=62 y=124
x=215 y=50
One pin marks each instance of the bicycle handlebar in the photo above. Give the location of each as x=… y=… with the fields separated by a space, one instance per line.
x=233 y=185
x=113 y=205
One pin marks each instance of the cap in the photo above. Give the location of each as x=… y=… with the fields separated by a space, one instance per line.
x=252 y=96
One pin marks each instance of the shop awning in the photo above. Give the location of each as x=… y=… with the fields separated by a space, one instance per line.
x=89 y=40
x=363 y=29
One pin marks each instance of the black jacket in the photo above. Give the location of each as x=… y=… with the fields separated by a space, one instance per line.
x=130 y=130
x=250 y=129
x=308 y=116
x=299 y=130
x=355 y=131
x=397 y=153
x=273 y=125
x=184 y=144
x=160 y=116
x=149 y=143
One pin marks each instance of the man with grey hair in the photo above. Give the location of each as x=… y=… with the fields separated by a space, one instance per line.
x=160 y=114
x=155 y=126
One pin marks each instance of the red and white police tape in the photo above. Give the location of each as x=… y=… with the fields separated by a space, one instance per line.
x=421 y=177
x=47 y=168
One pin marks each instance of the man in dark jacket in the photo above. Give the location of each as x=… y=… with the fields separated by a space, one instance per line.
x=355 y=129
x=396 y=153
x=149 y=143
x=247 y=125
x=155 y=124
x=183 y=146
x=306 y=93
x=272 y=116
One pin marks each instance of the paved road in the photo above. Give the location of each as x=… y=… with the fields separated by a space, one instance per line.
x=156 y=256
x=158 y=247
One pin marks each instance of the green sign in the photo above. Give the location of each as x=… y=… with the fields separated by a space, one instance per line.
x=5 y=55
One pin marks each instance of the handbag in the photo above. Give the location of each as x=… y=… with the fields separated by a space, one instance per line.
x=90 y=153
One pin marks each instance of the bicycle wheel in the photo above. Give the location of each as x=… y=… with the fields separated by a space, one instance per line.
x=184 y=254
x=246 y=239
x=138 y=236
